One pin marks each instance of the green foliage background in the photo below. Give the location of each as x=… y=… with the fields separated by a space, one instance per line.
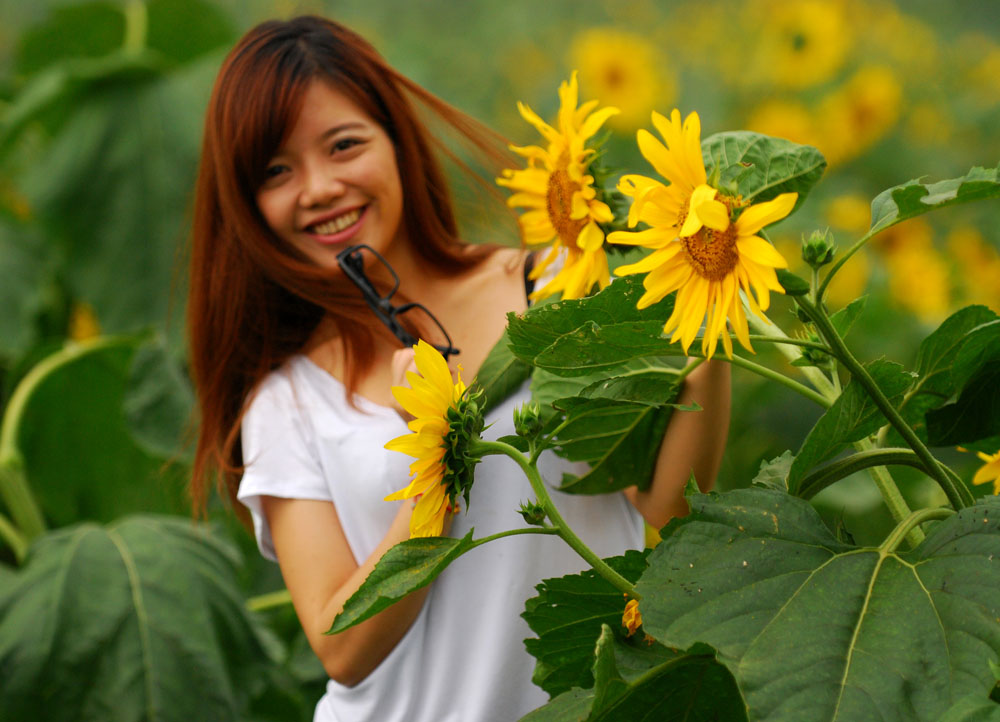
x=101 y=105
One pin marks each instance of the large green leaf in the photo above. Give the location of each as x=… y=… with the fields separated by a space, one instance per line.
x=80 y=458
x=914 y=198
x=140 y=620
x=974 y=708
x=114 y=188
x=81 y=30
x=182 y=30
x=594 y=334
x=667 y=686
x=766 y=166
x=975 y=415
x=814 y=629
x=159 y=400
x=936 y=380
x=620 y=441
x=567 y=616
x=23 y=276
x=406 y=567
x=501 y=374
x=852 y=417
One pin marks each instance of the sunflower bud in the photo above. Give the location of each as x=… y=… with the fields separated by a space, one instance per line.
x=819 y=249
x=528 y=420
x=533 y=513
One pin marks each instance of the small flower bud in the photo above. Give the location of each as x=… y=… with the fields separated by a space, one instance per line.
x=632 y=618
x=528 y=420
x=533 y=513
x=819 y=249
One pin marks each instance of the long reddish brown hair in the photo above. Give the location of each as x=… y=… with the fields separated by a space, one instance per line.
x=253 y=299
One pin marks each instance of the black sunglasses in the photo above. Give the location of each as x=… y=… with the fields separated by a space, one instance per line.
x=352 y=263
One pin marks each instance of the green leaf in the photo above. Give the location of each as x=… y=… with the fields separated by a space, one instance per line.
x=406 y=567
x=501 y=374
x=974 y=708
x=580 y=337
x=23 y=277
x=619 y=439
x=914 y=198
x=644 y=381
x=83 y=30
x=852 y=417
x=844 y=318
x=936 y=381
x=114 y=189
x=159 y=401
x=974 y=416
x=773 y=474
x=775 y=165
x=142 y=617
x=182 y=30
x=79 y=457
x=793 y=285
x=566 y=618
x=669 y=686
x=816 y=629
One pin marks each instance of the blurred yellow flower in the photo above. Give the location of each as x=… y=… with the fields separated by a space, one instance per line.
x=851 y=280
x=989 y=472
x=699 y=250
x=799 y=43
x=978 y=264
x=858 y=114
x=560 y=196
x=928 y=123
x=919 y=282
x=622 y=69
x=981 y=56
x=786 y=118
x=850 y=212
x=83 y=323
x=908 y=42
x=915 y=233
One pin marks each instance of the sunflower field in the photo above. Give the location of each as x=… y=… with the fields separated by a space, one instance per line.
x=806 y=189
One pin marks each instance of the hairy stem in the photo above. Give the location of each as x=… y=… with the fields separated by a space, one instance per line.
x=912 y=521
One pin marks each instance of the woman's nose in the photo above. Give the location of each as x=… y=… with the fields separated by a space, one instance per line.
x=320 y=188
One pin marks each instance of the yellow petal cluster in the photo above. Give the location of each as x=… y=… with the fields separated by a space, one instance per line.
x=698 y=248
x=560 y=197
x=428 y=398
x=990 y=471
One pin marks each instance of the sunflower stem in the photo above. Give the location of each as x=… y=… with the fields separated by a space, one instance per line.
x=781 y=379
x=788 y=349
x=840 y=262
x=862 y=376
x=911 y=522
x=14 y=538
x=560 y=526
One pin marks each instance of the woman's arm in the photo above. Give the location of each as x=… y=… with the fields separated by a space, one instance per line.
x=693 y=443
x=321 y=574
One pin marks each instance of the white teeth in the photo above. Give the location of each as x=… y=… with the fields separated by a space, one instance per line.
x=338 y=224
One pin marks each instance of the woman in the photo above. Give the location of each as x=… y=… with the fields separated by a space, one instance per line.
x=311 y=144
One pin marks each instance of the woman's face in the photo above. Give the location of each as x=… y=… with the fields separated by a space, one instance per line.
x=334 y=182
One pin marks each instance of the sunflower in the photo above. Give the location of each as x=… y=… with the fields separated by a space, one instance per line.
x=561 y=197
x=989 y=472
x=445 y=419
x=699 y=249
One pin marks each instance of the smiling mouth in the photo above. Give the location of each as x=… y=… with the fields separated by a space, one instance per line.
x=335 y=225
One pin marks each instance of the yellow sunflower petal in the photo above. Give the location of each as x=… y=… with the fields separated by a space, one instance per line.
x=760 y=251
x=764 y=214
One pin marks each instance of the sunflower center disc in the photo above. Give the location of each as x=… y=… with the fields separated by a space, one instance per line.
x=711 y=253
x=559 y=201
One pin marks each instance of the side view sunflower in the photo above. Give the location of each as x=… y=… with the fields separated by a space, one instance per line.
x=704 y=242
x=446 y=418
x=563 y=209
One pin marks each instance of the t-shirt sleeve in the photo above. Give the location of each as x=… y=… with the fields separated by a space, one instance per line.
x=280 y=455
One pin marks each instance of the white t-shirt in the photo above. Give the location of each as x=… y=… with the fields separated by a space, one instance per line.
x=463 y=660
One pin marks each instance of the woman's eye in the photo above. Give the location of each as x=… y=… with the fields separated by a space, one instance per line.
x=274 y=170
x=345 y=144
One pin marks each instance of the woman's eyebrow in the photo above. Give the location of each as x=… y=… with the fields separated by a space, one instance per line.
x=342 y=127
